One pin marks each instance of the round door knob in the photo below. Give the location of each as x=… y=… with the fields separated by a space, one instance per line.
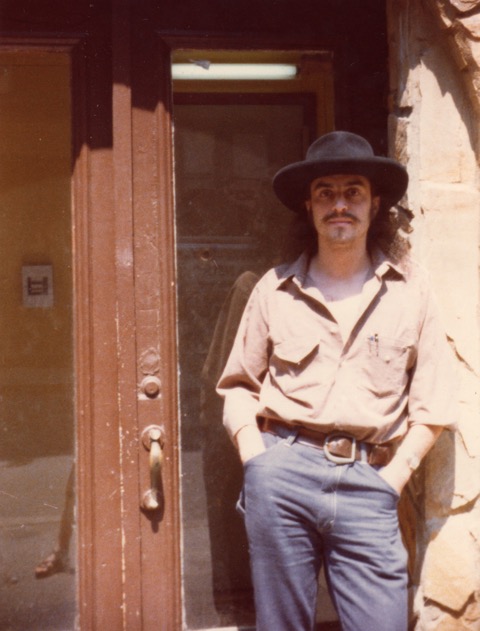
x=151 y=386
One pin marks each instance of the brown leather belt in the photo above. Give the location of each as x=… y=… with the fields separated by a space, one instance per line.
x=339 y=447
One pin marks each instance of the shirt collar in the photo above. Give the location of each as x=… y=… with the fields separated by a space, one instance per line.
x=382 y=264
x=297 y=271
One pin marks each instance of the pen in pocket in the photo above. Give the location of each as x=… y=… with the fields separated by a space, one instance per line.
x=373 y=344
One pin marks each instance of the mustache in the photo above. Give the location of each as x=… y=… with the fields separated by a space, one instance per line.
x=335 y=215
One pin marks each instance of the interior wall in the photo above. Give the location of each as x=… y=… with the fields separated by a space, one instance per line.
x=36 y=381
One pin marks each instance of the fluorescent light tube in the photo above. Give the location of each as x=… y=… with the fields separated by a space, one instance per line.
x=203 y=70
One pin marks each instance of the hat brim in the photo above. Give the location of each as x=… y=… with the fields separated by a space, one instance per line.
x=388 y=177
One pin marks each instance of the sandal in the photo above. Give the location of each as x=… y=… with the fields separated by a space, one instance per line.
x=52 y=564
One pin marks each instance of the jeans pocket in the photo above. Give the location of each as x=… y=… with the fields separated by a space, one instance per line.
x=271 y=441
x=383 y=482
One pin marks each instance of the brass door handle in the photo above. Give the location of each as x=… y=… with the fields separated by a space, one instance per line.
x=153 y=439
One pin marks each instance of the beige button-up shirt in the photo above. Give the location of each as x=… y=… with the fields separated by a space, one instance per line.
x=289 y=360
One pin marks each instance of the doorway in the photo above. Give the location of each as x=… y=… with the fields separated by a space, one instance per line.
x=230 y=138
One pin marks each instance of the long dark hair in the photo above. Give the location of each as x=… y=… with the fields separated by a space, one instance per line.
x=389 y=232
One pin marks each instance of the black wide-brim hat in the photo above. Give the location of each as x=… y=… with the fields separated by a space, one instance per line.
x=340 y=153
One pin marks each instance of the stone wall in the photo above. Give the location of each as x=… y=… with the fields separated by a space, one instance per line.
x=434 y=107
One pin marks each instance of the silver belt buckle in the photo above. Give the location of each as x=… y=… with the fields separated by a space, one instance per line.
x=339 y=459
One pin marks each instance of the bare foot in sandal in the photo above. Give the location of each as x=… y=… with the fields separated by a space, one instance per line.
x=54 y=563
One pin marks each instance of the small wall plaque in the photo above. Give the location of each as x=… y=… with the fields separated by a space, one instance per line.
x=37 y=283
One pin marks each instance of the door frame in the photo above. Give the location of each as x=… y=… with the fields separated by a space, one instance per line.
x=98 y=480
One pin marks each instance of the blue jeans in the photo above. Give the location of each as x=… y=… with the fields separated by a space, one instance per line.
x=303 y=511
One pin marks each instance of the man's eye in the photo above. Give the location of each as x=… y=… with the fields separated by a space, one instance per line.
x=324 y=193
x=352 y=192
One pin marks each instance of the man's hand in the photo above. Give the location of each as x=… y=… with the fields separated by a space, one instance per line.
x=249 y=442
x=396 y=474
x=417 y=442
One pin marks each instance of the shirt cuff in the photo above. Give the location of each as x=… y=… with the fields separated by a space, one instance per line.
x=240 y=409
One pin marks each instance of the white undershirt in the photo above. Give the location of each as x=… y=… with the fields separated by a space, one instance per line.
x=342 y=296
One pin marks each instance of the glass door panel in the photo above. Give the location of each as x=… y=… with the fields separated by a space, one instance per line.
x=230 y=229
x=37 y=542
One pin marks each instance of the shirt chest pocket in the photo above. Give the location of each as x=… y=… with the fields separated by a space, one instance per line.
x=385 y=369
x=294 y=364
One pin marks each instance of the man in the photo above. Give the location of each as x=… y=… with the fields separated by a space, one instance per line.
x=337 y=385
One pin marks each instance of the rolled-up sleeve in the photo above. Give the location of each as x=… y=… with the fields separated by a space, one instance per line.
x=246 y=367
x=434 y=382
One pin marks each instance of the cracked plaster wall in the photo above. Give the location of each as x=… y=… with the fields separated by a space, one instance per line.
x=433 y=127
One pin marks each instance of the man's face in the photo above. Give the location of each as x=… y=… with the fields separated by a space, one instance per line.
x=341 y=208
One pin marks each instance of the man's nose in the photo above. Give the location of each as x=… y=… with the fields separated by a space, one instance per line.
x=340 y=204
